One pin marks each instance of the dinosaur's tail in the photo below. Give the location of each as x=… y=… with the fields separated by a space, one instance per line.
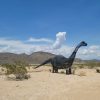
x=47 y=61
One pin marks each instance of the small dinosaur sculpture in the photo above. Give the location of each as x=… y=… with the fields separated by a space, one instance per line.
x=61 y=62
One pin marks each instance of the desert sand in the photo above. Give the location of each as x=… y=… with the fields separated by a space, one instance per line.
x=44 y=85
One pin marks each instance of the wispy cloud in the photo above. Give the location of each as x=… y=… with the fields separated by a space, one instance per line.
x=94 y=49
x=40 y=40
x=15 y=46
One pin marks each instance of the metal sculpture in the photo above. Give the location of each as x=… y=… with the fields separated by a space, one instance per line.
x=61 y=62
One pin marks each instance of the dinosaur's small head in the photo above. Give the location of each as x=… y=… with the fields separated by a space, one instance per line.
x=83 y=43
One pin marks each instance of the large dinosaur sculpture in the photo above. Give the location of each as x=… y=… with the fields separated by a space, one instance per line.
x=61 y=62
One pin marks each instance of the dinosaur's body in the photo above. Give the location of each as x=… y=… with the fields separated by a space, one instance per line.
x=61 y=62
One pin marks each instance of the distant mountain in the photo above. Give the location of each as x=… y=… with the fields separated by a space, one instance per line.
x=39 y=57
x=34 y=58
x=92 y=60
x=11 y=57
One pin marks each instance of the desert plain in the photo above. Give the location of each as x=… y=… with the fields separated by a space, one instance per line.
x=44 y=85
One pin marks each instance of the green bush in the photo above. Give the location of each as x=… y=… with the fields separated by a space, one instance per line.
x=81 y=66
x=18 y=69
x=93 y=64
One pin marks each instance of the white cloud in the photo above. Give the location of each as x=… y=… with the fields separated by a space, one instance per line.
x=91 y=52
x=58 y=47
x=14 y=46
x=60 y=38
x=17 y=46
x=40 y=40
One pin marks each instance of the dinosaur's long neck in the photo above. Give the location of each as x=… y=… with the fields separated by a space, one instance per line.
x=72 y=57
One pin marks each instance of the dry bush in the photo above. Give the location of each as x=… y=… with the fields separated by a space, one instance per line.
x=62 y=72
x=98 y=70
x=92 y=64
x=18 y=69
x=81 y=66
x=82 y=73
x=50 y=70
x=73 y=71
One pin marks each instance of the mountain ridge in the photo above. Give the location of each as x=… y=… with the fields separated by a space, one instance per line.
x=34 y=58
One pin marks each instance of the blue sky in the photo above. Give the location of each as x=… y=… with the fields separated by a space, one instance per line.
x=24 y=19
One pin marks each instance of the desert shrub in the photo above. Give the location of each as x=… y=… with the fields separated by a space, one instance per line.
x=73 y=71
x=2 y=69
x=90 y=66
x=82 y=73
x=98 y=70
x=62 y=72
x=18 y=69
x=50 y=70
x=98 y=64
x=93 y=64
x=81 y=66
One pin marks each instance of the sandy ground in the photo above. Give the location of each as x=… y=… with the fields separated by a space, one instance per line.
x=44 y=85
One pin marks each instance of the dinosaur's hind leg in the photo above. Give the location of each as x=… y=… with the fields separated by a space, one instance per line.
x=56 y=70
x=68 y=71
